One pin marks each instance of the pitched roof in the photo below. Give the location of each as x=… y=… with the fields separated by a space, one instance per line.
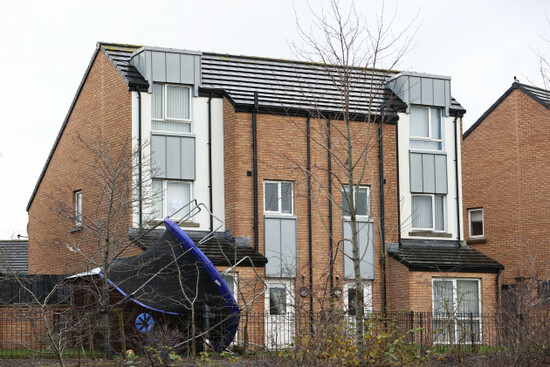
x=423 y=257
x=540 y=95
x=220 y=250
x=120 y=55
x=292 y=84
x=296 y=85
x=14 y=256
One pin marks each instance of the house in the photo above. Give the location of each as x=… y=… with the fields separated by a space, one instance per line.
x=260 y=142
x=505 y=154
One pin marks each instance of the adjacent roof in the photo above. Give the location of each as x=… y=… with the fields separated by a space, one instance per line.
x=14 y=256
x=540 y=95
x=464 y=259
x=220 y=250
x=119 y=55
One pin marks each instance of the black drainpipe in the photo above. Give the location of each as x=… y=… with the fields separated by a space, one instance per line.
x=255 y=169
x=456 y=181
x=140 y=169
x=310 y=239
x=330 y=229
x=210 y=159
x=497 y=281
x=398 y=186
x=382 y=212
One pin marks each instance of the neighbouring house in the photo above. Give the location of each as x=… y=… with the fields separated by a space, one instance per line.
x=259 y=141
x=505 y=168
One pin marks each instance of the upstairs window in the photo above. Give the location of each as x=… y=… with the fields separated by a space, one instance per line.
x=428 y=212
x=360 y=198
x=171 y=108
x=476 y=222
x=278 y=197
x=77 y=207
x=170 y=198
x=425 y=128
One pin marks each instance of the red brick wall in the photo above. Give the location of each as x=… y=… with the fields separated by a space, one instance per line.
x=103 y=107
x=282 y=155
x=505 y=171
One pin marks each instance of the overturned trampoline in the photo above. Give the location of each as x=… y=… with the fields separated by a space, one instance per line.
x=174 y=277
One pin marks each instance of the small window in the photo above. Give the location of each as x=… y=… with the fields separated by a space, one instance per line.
x=277 y=301
x=171 y=198
x=428 y=212
x=476 y=222
x=361 y=199
x=171 y=108
x=278 y=197
x=78 y=208
x=425 y=128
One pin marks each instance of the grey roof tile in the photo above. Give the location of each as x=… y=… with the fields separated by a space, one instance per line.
x=425 y=257
x=14 y=256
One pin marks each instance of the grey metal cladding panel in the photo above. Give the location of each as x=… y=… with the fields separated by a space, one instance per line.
x=366 y=250
x=427 y=91
x=187 y=158
x=439 y=92
x=366 y=241
x=415 y=89
x=428 y=172
x=159 y=66
x=288 y=247
x=441 y=174
x=187 y=69
x=158 y=156
x=172 y=68
x=416 y=172
x=272 y=241
x=149 y=69
x=173 y=157
x=447 y=96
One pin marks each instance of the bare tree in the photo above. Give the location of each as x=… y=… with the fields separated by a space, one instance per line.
x=351 y=52
x=93 y=227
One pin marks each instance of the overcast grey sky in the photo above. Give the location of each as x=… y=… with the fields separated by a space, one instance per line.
x=47 y=45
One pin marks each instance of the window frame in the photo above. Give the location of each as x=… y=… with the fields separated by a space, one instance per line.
x=164 y=194
x=164 y=109
x=279 y=211
x=77 y=203
x=433 y=213
x=359 y=217
x=482 y=222
x=456 y=318
x=367 y=297
x=429 y=138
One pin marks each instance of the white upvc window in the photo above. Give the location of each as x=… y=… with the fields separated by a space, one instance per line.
x=428 y=212
x=350 y=295
x=278 y=197
x=360 y=197
x=476 y=222
x=426 y=128
x=456 y=310
x=171 y=108
x=171 y=198
x=77 y=198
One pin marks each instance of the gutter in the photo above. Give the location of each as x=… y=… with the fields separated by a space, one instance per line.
x=255 y=168
x=211 y=204
x=456 y=182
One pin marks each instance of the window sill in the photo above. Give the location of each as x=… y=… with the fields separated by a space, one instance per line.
x=474 y=240
x=430 y=234
x=76 y=228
